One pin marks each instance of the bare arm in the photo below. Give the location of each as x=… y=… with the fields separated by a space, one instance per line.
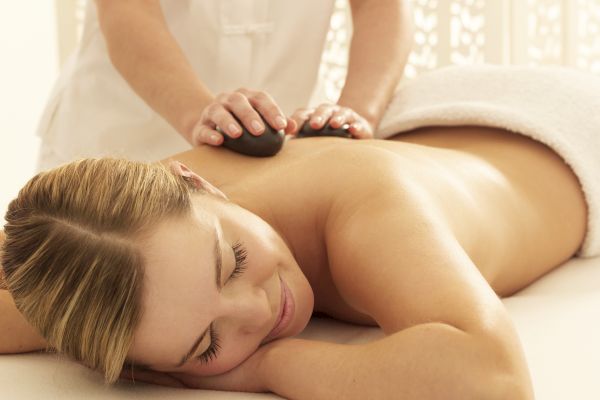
x=448 y=334
x=381 y=42
x=17 y=336
x=144 y=51
x=426 y=361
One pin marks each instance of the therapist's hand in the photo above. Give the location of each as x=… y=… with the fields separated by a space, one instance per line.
x=248 y=106
x=336 y=116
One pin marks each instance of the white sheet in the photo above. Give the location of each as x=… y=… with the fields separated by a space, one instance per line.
x=557 y=106
x=558 y=319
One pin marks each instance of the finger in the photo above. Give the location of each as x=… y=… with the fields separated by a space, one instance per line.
x=340 y=117
x=204 y=134
x=268 y=108
x=226 y=122
x=240 y=107
x=360 y=131
x=292 y=127
x=299 y=117
x=322 y=115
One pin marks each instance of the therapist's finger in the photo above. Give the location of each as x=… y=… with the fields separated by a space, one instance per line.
x=223 y=118
x=264 y=103
x=300 y=116
x=321 y=115
x=291 y=127
x=361 y=130
x=341 y=116
x=205 y=134
x=239 y=105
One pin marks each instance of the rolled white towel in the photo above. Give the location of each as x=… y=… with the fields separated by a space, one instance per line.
x=557 y=106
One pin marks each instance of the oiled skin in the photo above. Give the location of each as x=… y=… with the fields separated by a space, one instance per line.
x=514 y=205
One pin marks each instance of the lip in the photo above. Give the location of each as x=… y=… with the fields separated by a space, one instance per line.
x=286 y=312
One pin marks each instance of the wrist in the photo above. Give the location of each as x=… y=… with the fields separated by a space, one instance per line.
x=270 y=361
x=264 y=366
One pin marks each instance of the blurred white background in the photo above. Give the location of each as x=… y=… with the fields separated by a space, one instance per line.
x=532 y=32
x=28 y=67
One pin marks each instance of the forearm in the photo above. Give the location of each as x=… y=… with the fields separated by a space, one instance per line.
x=17 y=335
x=147 y=55
x=430 y=361
x=381 y=42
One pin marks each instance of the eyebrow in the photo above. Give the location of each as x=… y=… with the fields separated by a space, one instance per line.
x=218 y=267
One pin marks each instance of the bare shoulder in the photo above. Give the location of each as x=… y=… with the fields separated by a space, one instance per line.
x=394 y=258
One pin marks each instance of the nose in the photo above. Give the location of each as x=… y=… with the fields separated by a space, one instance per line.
x=252 y=310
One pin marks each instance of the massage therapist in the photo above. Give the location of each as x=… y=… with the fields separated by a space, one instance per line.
x=152 y=78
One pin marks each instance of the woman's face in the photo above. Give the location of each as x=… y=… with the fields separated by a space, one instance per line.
x=181 y=300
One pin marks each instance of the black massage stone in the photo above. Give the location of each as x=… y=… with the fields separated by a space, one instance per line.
x=267 y=144
x=271 y=141
x=308 y=131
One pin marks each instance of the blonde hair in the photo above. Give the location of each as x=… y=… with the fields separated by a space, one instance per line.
x=72 y=258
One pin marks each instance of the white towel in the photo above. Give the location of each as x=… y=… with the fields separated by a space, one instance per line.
x=557 y=106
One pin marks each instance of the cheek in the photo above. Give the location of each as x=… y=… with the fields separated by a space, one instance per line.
x=262 y=243
x=263 y=256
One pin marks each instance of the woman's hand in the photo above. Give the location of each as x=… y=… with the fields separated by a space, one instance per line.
x=247 y=106
x=246 y=377
x=336 y=116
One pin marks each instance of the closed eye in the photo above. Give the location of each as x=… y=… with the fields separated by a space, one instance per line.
x=240 y=253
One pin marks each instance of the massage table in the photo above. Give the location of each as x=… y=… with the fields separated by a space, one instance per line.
x=557 y=318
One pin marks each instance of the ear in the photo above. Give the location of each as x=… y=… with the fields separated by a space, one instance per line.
x=181 y=169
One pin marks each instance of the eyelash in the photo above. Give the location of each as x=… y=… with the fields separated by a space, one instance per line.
x=240 y=254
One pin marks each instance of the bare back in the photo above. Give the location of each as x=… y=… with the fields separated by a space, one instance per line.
x=514 y=206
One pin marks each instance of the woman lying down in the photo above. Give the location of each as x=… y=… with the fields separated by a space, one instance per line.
x=199 y=271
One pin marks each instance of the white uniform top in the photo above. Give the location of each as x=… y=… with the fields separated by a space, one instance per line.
x=270 y=45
